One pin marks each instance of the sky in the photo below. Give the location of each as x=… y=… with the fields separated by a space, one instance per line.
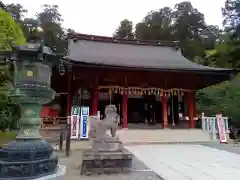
x=102 y=17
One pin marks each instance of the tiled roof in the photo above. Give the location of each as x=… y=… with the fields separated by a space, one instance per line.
x=99 y=50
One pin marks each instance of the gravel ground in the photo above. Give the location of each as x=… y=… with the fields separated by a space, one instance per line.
x=139 y=170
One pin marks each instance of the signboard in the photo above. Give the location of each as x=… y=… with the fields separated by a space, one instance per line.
x=75 y=110
x=221 y=129
x=84 y=123
x=75 y=126
x=74 y=120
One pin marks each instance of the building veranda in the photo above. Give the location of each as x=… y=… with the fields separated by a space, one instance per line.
x=150 y=82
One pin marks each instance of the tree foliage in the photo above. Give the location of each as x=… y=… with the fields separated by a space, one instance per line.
x=9 y=113
x=54 y=35
x=203 y=44
x=9 y=30
x=226 y=53
x=183 y=23
x=125 y=30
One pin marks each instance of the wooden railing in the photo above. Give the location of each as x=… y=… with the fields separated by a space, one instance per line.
x=64 y=132
x=48 y=120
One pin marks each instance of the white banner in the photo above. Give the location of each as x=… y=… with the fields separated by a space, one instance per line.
x=75 y=126
x=221 y=129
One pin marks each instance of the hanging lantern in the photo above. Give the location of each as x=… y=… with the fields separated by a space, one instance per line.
x=175 y=93
x=135 y=91
x=132 y=91
x=125 y=91
x=61 y=69
x=144 y=91
x=151 y=90
x=121 y=91
x=129 y=90
x=182 y=93
x=139 y=91
x=179 y=98
x=161 y=93
x=109 y=91
x=148 y=92
x=169 y=93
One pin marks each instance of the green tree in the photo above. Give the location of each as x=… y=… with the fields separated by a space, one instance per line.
x=226 y=53
x=156 y=26
x=188 y=22
x=9 y=113
x=17 y=11
x=53 y=33
x=18 y=14
x=125 y=30
x=231 y=12
x=9 y=30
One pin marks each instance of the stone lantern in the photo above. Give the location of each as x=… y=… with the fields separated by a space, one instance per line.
x=29 y=156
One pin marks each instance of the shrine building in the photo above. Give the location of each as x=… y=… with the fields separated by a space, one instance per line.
x=150 y=82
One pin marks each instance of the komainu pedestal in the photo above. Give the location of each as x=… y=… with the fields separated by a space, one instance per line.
x=107 y=154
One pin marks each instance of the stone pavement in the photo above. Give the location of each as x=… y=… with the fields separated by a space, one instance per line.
x=139 y=170
x=189 y=161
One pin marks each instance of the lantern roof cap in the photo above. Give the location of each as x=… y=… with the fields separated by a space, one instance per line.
x=33 y=47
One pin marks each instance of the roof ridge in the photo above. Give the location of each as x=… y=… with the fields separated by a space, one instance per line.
x=88 y=37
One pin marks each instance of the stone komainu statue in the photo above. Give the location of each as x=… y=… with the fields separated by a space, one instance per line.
x=107 y=154
x=99 y=128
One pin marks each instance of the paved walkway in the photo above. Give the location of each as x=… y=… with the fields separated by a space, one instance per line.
x=185 y=162
x=139 y=170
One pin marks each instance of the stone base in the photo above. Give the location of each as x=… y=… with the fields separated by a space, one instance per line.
x=29 y=159
x=95 y=162
x=28 y=170
x=107 y=144
x=59 y=175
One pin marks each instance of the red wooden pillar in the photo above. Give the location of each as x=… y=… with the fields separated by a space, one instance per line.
x=164 y=110
x=190 y=104
x=95 y=99
x=194 y=104
x=69 y=94
x=124 y=111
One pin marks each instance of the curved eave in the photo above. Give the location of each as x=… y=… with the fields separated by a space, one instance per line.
x=139 y=68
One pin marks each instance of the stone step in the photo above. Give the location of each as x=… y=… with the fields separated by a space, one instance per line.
x=163 y=136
